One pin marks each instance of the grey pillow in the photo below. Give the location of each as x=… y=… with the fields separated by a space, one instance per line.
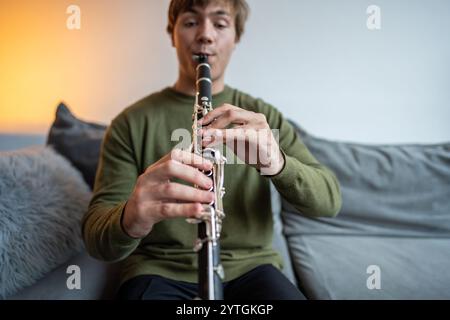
x=42 y=201
x=388 y=190
x=77 y=140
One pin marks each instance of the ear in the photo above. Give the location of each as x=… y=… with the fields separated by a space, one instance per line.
x=236 y=39
x=172 y=40
x=236 y=42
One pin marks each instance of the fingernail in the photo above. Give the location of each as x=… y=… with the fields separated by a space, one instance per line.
x=199 y=215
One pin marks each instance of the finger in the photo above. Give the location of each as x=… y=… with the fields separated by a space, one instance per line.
x=191 y=159
x=217 y=136
x=215 y=113
x=175 y=210
x=178 y=192
x=174 y=169
x=231 y=116
x=213 y=137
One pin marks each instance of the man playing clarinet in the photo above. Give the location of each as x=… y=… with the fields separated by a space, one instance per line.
x=146 y=188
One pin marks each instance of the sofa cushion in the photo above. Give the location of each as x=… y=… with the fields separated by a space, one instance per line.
x=43 y=199
x=392 y=195
x=98 y=280
x=339 y=267
x=77 y=140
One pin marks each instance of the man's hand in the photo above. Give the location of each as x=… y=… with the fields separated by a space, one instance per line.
x=156 y=198
x=250 y=137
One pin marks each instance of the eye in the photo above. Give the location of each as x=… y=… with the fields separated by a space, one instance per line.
x=190 y=23
x=220 y=25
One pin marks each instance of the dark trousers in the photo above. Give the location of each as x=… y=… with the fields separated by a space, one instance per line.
x=262 y=283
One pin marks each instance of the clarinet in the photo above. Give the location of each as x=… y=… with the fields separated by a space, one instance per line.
x=210 y=270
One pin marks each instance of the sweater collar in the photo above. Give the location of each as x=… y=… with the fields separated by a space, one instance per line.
x=182 y=97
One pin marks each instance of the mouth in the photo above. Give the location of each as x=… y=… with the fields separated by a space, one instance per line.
x=197 y=54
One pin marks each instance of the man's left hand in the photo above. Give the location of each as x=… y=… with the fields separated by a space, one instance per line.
x=245 y=132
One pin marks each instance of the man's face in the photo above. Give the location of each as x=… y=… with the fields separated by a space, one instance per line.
x=210 y=31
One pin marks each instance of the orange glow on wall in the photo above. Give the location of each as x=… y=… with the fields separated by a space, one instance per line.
x=97 y=70
x=37 y=63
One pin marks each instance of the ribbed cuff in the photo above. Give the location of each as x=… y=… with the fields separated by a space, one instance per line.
x=274 y=175
x=284 y=178
x=282 y=169
x=118 y=233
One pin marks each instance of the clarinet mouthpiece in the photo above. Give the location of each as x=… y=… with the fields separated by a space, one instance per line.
x=200 y=58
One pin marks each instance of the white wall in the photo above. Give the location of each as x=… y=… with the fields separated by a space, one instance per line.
x=315 y=60
x=318 y=63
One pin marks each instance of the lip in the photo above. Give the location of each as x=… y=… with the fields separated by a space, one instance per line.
x=210 y=57
x=199 y=53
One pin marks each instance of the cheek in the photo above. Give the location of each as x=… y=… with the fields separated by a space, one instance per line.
x=228 y=51
x=181 y=40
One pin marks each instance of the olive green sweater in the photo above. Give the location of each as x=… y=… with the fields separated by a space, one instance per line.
x=141 y=135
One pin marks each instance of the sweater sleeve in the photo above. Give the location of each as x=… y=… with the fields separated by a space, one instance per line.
x=305 y=183
x=116 y=176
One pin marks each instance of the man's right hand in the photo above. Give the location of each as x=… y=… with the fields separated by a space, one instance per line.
x=156 y=198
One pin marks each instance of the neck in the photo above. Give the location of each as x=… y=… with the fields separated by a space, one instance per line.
x=187 y=86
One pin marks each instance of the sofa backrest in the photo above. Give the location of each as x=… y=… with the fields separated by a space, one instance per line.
x=12 y=141
x=387 y=190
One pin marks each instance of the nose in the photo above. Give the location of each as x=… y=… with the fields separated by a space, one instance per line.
x=206 y=32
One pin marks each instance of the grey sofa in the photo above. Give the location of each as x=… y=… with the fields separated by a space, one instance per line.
x=391 y=239
x=394 y=223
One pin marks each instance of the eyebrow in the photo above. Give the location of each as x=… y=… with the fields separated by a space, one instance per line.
x=219 y=12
